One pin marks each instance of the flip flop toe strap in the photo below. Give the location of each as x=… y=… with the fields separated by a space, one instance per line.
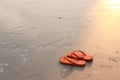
x=79 y=51
x=70 y=60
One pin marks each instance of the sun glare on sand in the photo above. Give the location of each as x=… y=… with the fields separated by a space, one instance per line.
x=113 y=1
x=113 y=4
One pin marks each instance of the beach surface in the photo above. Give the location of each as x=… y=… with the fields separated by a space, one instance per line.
x=35 y=33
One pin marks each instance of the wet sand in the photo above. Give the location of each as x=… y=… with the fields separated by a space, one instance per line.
x=35 y=33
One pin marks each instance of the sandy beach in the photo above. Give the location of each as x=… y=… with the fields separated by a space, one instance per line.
x=35 y=33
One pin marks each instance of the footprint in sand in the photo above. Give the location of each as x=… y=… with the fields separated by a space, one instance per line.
x=105 y=66
x=117 y=52
x=115 y=59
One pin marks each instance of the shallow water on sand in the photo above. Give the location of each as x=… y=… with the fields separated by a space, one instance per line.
x=34 y=34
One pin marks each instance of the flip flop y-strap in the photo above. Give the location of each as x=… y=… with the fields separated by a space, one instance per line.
x=85 y=57
x=76 y=55
x=79 y=51
x=70 y=60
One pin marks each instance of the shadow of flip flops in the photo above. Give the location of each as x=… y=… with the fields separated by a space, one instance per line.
x=66 y=70
x=89 y=64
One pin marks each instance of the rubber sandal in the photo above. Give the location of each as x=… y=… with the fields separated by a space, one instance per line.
x=71 y=61
x=79 y=55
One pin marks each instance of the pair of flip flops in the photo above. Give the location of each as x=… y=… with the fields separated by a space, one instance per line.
x=75 y=58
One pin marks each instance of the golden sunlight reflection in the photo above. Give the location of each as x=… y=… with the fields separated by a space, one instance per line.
x=113 y=1
x=104 y=33
x=113 y=4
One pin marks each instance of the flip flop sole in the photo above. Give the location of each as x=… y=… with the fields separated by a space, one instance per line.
x=72 y=62
x=88 y=58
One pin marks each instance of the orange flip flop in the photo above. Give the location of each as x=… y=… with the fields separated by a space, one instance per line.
x=80 y=55
x=71 y=61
